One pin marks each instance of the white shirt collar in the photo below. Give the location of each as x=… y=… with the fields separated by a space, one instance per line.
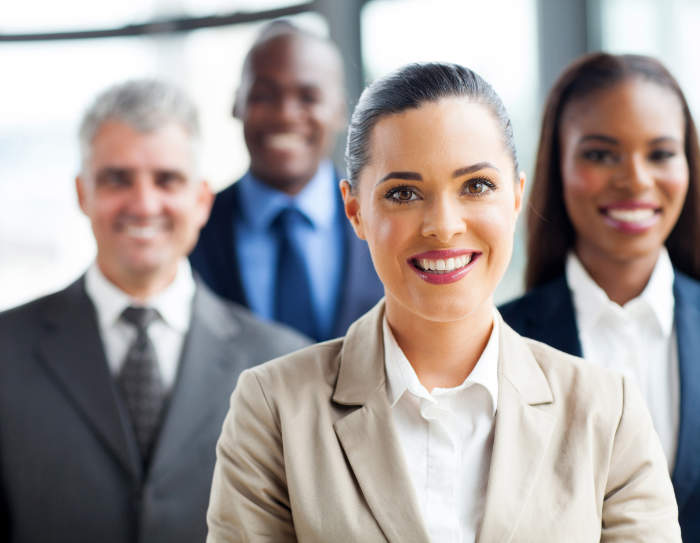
x=591 y=301
x=401 y=377
x=174 y=304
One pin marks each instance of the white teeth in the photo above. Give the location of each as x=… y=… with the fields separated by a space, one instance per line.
x=631 y=215
x=444 y=265
x=142 y=232
x=285 y=141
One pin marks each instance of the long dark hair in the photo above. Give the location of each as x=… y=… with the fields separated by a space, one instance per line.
x=550 y=233
x=410 y=87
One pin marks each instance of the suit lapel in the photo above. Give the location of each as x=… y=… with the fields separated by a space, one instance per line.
x=72 y=351
x=214 y=256
x=368 y=437
x=204 y=379
x=230 y=256
x=522 y=434
x=686 y=473
x=552 y=319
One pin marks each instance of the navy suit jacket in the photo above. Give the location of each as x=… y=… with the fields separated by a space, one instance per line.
x=70 y=471
x=215 y=259
x=546 y=314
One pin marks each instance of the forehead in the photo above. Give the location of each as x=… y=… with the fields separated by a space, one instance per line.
x=450 y=133
x=630 y=109
x=295 y=60
x=117 y=144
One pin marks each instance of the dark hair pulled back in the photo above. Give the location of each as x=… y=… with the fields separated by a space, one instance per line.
x=410 y=87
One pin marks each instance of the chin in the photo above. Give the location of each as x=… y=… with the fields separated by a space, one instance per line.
x=449 y=309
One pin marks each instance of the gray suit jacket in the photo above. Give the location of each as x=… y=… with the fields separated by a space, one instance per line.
x=69 y=464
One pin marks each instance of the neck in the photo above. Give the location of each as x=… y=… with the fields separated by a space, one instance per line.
x=140 y=287
x=442 y=354
x=290 y=186
x=623 y=279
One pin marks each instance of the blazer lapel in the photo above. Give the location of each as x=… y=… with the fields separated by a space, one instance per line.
x=523 y=431
x=553 y=319
x=368 y=436
x=73 y=353
x=686 y=472
x=204 y=378
x=214 y=256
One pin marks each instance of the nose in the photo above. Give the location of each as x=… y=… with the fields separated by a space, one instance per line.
x=289 y=109
x=637 y=175
x=443 y=219
x=144 y=198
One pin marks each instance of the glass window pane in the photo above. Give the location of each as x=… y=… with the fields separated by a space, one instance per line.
x=45 y=242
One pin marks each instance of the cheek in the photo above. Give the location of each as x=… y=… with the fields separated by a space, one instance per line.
x=582 y=180
x=495 y=225
x=675 y=184
x=387 y=232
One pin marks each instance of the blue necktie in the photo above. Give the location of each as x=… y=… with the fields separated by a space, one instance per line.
x=293 y=304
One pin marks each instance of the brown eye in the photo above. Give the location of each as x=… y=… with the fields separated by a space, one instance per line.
x=479 y=186
x=402 y=195
x=600 y=156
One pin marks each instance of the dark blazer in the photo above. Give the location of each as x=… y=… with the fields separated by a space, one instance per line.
x=546 y=314
x=215 y=259
x=70 y=470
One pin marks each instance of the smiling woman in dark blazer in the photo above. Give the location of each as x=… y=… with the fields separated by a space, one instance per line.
x=613 y=261
x=432 y=420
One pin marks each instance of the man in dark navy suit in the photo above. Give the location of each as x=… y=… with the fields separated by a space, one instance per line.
x=277 y=240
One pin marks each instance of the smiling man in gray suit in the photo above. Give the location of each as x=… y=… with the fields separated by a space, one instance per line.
x=113 y=391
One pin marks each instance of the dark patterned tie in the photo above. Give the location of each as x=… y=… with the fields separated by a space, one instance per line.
x=140 y=380
x=292 y=289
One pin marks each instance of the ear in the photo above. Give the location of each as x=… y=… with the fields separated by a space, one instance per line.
x=205 y=199
x=519 y=189
x=80 y=191
x=236 y=109
x=240 y=99
x=352 y=208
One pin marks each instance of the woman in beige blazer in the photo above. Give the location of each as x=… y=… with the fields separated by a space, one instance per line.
x=431 y=420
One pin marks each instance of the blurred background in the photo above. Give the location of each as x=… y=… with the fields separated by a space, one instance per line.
x=56 y=56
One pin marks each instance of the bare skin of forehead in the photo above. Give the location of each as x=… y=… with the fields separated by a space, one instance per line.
x=324 y=53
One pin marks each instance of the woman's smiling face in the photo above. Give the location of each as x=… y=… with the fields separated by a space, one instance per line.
x=624 y=169
x=437 y=203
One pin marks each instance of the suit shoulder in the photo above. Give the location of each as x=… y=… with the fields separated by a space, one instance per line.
x=24 y=314
x=533 y=298
x=312 y=370
x=687 y=286
x=224 y=199
x=276 y=335
x=574 y=378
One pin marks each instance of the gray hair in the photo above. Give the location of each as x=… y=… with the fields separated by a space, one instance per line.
x=143 y=104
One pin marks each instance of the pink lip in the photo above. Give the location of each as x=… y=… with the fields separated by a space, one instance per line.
x=626 y=227
x=443 y=277
x=630 y=204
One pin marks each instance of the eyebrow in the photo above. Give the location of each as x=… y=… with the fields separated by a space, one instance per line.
x=599 y=137
x=415 y=176
x=664 y=139
x=613 y=141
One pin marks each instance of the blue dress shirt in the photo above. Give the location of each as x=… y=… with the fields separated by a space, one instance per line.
x=321 y=237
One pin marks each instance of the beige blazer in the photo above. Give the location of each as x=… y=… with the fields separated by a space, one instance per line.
x=309 y=452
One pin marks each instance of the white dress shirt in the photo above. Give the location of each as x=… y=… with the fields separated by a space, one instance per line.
x=174 y=306
x=447 y=439
x=637 y=340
